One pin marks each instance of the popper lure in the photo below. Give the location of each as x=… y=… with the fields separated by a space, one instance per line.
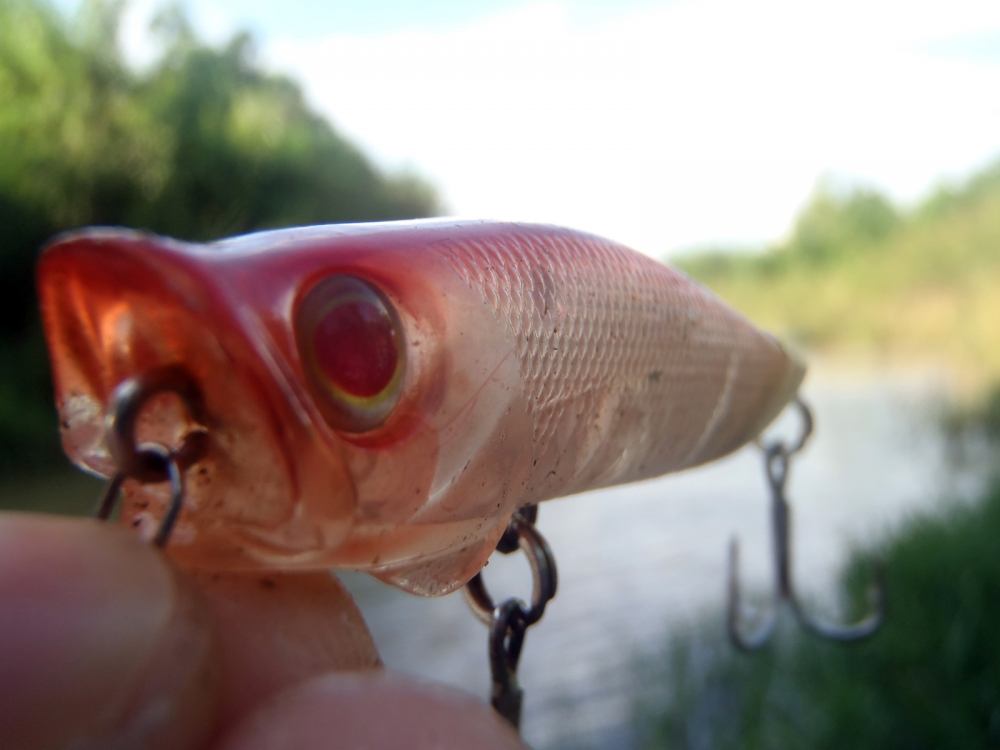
x=384 y=397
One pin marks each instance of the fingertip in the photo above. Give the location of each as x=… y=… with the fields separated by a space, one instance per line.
x=373 y=710
x=277 y=630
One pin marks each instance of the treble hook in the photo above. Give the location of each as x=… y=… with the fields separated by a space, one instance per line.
x=777 y=456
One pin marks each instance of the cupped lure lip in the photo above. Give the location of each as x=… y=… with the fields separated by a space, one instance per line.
x=116 y=303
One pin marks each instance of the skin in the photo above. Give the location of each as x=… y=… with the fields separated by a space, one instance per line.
x=105 y=645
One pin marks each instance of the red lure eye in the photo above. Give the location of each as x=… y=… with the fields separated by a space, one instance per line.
x=351 y=343
x=355 y=346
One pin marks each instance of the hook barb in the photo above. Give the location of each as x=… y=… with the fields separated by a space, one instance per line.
x=859 y=630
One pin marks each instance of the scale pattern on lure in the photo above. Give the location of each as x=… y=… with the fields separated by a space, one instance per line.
x=598 y=328
x=385 y=396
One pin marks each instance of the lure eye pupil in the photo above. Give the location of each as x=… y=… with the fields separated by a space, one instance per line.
x=356 y=347
x=353 y=352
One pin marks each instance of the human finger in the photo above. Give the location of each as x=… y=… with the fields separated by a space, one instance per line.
x=374 y=710
x=102 y=645
x=277 y=630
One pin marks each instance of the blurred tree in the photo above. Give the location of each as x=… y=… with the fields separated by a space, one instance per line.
x=861 y=278
x=201 y=145
x=835 y=223
x=982 y=186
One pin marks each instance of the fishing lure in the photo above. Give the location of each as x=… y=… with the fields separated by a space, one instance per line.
x=384 y=397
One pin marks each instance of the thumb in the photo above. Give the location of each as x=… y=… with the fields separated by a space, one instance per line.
x=100 y=645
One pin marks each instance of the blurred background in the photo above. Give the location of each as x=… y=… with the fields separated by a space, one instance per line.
x=832 y=170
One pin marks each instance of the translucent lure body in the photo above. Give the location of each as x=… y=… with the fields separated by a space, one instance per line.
x=384 y=396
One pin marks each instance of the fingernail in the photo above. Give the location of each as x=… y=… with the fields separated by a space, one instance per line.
x=100 y=646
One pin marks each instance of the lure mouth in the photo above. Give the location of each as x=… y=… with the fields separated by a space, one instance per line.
x=117 y=305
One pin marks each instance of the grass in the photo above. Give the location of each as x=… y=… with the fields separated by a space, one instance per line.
x=929 y=679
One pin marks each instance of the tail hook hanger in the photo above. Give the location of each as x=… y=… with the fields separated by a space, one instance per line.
x=777 y=456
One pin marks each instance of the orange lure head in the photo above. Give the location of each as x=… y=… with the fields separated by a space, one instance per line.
x=321 y=368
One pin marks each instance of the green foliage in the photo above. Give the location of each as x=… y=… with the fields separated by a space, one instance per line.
x=203 y=144
x=833 y=225
x=949 y=198
x=978 y=421
x=860 y=278
x=929 y=679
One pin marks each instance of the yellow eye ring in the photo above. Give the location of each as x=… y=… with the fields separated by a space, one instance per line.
x=351 y=342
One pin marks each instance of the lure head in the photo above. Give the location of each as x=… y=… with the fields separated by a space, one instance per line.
x=338 y=386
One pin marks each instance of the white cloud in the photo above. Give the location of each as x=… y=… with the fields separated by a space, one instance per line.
x=664 y=126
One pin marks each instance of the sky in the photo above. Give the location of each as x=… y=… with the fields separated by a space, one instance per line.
x=665 y=125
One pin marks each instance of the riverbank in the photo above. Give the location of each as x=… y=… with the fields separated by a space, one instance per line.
x=930 y=678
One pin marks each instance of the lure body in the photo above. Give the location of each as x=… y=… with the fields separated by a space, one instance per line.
x=516 y=363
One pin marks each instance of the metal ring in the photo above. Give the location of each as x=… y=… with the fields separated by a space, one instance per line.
x=508 y=624
x=807 y=426
x=808 y=423
x=543 y=576
x=151 y=454
x=127 y=401
x=508 y=542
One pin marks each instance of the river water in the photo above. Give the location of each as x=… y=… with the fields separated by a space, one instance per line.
x=638 y=560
